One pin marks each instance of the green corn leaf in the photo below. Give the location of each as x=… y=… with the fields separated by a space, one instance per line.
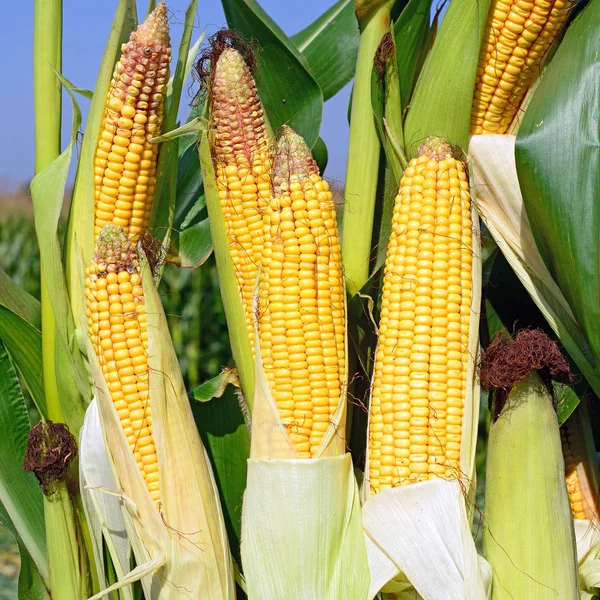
x=31 y=585
x=20 y=494
x=20 y=331
x=80 y=231
x=161 y=218
x=330 y=45
x=47 y=193
x=286 y=88
x=225 y=436
x=441 y=103
x=558 y=163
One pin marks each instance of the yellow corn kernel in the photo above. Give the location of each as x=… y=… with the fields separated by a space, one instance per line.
x=578 y=467
x=517 y=36
x=133 y=115
x=242 y=154
x=301 y=320
x=421 y=361
x=119 y=342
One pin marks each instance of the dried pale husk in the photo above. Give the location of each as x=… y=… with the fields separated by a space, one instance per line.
x=184 y=546
x=423 y=529
x=301 y=522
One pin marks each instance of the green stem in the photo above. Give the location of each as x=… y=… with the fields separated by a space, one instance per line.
x=47 y=30
x=66 y=559
x=363 y=157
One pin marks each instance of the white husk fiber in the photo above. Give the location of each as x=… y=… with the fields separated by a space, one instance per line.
x=423 y=529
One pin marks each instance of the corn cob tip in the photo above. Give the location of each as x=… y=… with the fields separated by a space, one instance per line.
x=437 y=148
x=155 y=29
x=293 y=159
x=114 y=248
x=232 y=79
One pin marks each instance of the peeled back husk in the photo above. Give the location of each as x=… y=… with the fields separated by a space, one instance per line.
x=184 y=546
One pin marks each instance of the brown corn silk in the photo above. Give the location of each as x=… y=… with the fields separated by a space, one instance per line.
x=518 y=34
x=125 y=160
x=301 y=310
x=117 y=327
x=420 y=380
x=242 y=154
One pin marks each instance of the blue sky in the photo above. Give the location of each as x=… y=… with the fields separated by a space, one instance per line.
x=85 y=31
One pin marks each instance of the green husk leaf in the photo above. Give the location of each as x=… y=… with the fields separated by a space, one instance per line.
x=20 y=493
x=286 y=88
x=412 y=36
x=80 y=230
x=31 y=586
x=528 y=531
x=330 y=45
x=560 y=131
x=161 y=217
x=363 y=151
x=441 y=103
x=232 y=303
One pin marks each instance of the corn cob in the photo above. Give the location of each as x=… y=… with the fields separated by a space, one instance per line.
x=125 y=160
x=242 y=154
x=119 y=334
x=419 y=383
x=301 y=320
x=578 y=476
x=517 y=35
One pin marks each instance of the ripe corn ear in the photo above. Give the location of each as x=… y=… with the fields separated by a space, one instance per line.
x=117 y=327
x=125 y=160
x=420 y=379
x=241 y=150
x=517 y=36
x=301 y=309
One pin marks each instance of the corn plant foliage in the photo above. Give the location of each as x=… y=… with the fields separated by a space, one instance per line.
x=47 y=193
x=20 y=494
x=20 y=332
x=330 y=45
x=286 y=88
x=161 y=218
x=558 y=163
x=441 y=103
x=225 y=436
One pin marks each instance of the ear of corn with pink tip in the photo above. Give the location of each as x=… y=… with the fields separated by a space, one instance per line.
x=301 y=311
x=517 y=36
x=420 y=379
x=117 y=327
x=242 y=153
x=125 y=160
